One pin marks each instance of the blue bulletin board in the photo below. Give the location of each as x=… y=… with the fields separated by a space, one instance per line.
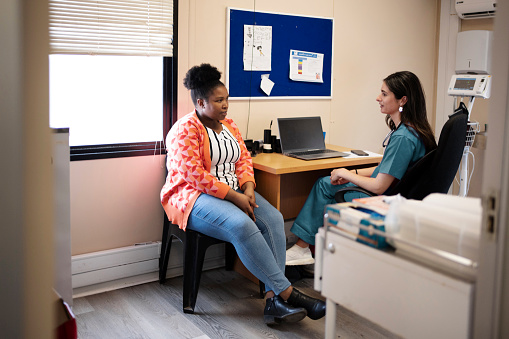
x=289 y=32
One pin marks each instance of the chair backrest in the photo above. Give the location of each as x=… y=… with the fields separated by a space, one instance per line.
x=435 y=172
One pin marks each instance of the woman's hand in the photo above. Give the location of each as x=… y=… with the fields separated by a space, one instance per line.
x=242 y=201
x=248 y=189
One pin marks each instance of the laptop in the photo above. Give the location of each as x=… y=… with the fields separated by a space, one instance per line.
x=303 y=138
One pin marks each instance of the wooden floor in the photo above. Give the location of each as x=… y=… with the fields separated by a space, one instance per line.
x=228 y=306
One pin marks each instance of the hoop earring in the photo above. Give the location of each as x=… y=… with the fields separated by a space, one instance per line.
x=400 y=109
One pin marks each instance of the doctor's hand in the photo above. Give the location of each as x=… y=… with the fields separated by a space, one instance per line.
x=337 y=176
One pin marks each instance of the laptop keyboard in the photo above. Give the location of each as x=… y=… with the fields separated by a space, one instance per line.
x=318 y=151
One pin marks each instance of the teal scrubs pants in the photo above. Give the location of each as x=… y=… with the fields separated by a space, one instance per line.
x=310 y=218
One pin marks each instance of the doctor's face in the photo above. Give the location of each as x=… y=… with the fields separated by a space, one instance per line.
x=387 y=101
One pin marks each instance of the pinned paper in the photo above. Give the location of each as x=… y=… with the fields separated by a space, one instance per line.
x=266 y=84
x=306 y=66
x=257 y=48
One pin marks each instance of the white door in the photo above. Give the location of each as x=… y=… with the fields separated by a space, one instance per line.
x=492 y=302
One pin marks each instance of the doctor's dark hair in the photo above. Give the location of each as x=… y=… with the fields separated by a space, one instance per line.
x=414 y=115
x=201 y=81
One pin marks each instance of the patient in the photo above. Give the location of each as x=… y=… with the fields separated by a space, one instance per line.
x=402 y=101
x=210 y=189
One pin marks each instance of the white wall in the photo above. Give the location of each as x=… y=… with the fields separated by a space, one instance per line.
x=115 y=202
x=387 y=37
x=26 y=240
x=11 y=196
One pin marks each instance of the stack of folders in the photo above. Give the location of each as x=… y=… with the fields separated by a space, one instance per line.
x=362 y=220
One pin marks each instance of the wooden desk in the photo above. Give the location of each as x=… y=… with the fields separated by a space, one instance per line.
x=286 y=182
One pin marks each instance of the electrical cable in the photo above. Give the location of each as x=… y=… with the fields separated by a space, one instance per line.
x=251 y=76
x=472 y=171
x=161 y=162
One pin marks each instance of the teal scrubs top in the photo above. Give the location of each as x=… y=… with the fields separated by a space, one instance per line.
x=402 y=151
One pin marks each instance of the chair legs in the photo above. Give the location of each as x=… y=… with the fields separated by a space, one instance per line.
x=165 y=251
x=229 y=256
x=195 y=246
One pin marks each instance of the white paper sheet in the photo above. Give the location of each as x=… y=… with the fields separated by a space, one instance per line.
x=257 y=48
x=266 y=84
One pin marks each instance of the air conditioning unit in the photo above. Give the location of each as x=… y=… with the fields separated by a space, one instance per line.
x=475 y=9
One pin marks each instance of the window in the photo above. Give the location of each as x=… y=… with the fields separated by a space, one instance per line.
x=107 y=99
x=111 y=75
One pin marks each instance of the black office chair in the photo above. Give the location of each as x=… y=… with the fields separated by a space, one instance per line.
x=195 y=246
x=435 y=172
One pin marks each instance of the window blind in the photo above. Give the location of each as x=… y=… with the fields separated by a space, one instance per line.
x=111 y=27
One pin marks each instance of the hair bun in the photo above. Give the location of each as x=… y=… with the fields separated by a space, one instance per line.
x=200 y=76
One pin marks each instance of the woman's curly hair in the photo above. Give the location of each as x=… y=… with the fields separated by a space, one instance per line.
x=202 y=80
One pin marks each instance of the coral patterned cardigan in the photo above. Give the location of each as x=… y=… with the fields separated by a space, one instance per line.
x=188 y=163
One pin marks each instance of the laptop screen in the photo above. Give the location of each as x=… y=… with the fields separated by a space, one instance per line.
x=297 y=134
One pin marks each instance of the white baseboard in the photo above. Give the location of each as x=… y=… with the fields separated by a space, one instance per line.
x=108 y=270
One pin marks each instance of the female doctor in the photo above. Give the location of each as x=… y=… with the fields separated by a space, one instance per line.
x=402 y=101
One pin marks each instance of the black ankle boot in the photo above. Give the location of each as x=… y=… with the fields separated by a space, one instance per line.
x=277 y=311
x=315 y=307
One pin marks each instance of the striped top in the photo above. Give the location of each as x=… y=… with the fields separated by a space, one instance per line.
x=224 y=153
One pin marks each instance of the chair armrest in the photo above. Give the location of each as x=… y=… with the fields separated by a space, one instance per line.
x=340 y=195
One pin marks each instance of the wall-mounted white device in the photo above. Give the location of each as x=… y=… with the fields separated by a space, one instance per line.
x=473 y=52
x=472 y=80
x=470 y=85
x=474 y=9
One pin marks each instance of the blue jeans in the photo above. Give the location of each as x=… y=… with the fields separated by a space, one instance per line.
x=310 y=217
x=260 y=245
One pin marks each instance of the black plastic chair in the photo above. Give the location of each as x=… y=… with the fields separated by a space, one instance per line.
x=435 y=172
x=195 y=247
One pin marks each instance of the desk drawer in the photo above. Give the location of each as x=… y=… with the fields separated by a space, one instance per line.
x=406 y=298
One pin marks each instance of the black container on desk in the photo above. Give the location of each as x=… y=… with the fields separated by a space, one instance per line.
x=277 y=146
x=267 y=136
x=267 y=144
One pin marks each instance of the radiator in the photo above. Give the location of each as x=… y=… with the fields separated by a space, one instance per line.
x=132 y=265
